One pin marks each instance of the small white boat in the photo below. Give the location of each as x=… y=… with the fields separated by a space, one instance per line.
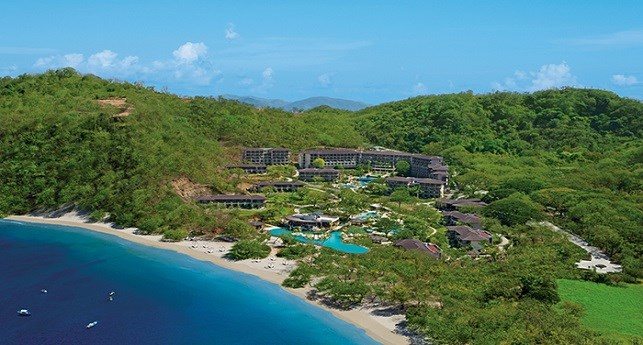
x=112 y=293
x=24 y=312
x=43 y=290
x=91 y=324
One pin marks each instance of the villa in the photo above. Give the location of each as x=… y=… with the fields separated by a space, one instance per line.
x=234 y=201
x=427 y=248
x=279 y=186
x=457 y=217
x=462 y=235
x=250 y=168
x=428 y=188
x=266 y=156
x=456 y=204
x=311 y=221
x=325 y=174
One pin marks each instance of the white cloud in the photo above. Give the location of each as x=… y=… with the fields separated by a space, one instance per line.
x=230 y=34
x=190 y=52
x=624 y=80
x=187 y=64
x=44 y=61
x=547 y=77
x=420 y=89
x=129 y=61
x=73 y=60
x=246 y=82
x=551 y=76
x=267 y=74
x=103 y=59
x=621 y=38
x=325 y=79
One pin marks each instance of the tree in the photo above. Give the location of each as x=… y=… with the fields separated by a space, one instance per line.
x=315 y=197
x=239 y=229
x=400 y=195
x=297 y=251
x=318 y=163
x=402 y=167
x=513 y=210
x=248 y=249
x=352 y=202
x=539 y=288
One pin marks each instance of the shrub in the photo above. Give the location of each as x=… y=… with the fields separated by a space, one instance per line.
x=248 y=249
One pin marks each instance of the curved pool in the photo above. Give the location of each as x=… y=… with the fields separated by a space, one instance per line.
x=334 y=241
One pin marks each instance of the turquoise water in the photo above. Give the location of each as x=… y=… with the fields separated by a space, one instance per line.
x=162 y=297
x=334 y=241
x=366 y=215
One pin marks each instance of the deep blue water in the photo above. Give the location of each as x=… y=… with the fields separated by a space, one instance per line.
x=161 y=297
x=334 y=241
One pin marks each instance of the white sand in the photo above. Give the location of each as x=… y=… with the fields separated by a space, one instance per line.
x=272 y=269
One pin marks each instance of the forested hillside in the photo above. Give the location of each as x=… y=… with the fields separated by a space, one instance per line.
x=62 y=143
x=571 y=156
x=577 y=153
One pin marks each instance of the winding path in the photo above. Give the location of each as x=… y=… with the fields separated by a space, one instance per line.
x=599 y=261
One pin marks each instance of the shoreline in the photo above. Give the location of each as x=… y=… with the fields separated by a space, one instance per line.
x=380 y=328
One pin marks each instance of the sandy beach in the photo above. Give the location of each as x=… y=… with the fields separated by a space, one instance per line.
x=272 y=269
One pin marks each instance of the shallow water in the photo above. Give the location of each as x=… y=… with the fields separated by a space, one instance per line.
x=161 y=297
x=334 y=241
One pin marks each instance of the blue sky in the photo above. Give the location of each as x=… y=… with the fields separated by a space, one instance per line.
x=371 y=51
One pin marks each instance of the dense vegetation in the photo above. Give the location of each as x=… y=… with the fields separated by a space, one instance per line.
x=60 y=146
x=572 y=156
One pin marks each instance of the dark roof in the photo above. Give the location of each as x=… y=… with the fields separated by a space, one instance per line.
x=331 y=151
x=256 y=224
x=278 y=183
x=469 y=218
x=233 y=197
x=318 y=171
x=247 y=166
x=463 y=202
x=413 y=244
x=265 y=149
x=414 y=180
x=466 y=233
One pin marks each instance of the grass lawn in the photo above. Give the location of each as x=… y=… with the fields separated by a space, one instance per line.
x=608 y=309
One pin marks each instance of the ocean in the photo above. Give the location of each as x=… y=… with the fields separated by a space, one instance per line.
x=161 y=297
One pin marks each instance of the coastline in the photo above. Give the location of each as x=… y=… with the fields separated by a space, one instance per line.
x=380 y=328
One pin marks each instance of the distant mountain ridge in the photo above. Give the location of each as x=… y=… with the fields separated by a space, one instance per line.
x=303 y=104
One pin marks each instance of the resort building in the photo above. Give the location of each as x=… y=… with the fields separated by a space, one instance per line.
x=345 y=158
x=452 y=218
x=250 y=168
x=457 y=204
x=325 y=174
x=279 y=186
x=266 y=156
x=382 y=160
x=427 y=188
x=427 y=248
x=462 y=235
x=311 y=221
x=233 y=201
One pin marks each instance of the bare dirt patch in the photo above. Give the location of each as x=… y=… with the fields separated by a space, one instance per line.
x=124 y=109
x=187 y=189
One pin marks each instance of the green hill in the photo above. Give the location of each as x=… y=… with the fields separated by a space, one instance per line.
x=60 y=145
x=573 y=155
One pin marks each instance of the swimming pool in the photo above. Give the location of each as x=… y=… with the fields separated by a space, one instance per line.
x=334 y=241
x=366 y=215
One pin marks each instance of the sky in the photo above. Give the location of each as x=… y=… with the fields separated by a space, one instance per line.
x=370 y=51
